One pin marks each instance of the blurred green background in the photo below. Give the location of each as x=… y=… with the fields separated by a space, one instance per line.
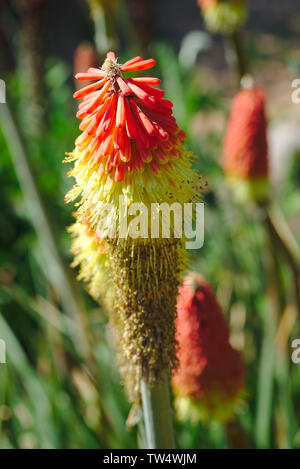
x=60 y=387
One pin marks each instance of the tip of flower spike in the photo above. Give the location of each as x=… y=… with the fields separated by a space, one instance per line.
x=112 y=68
x=126 y=122
x=111 y=55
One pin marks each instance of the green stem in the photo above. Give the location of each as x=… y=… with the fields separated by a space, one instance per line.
x=241 y=62
x=157 y=411
x=283 y=239
x=266 y=376
x=265 y=386
x=287 y=416
x=289 y=248
x=277 y=292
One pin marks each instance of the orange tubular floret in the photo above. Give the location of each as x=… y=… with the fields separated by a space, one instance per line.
x=132 y=61
x=146 y=80
x=96 y=70
x=88 y=106
x=137 y=91
x=156 y=92
x=120 y=117
x=144 y=65
x=87 y=89
x=130 y=123
x=144 y=120
x=123 y=86
x=90 y=75
x=111 y=55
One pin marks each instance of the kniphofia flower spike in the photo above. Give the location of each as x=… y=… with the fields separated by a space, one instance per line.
x=131 y=146
x=246 y=149
x=210 y=379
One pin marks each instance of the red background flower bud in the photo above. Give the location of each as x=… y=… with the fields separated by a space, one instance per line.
x=246 y=151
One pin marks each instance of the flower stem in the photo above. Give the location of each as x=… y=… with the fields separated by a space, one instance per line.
x=276 y=304
x=265 y=384
x=284 y=240
x=158 y=414
x=241 y=62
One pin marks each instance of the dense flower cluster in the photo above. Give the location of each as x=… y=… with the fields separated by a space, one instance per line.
x=134 y=124
x=210 y=378
x=131 y=146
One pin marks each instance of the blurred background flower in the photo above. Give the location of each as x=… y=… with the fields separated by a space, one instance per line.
x=246 y=150
x=223 y=16
x=210 y=379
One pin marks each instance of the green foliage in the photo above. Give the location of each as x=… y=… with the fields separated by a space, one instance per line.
x=50 y=397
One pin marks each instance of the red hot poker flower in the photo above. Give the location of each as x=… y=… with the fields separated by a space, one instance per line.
x=131 y=146
x=246 y=150
x=126 y=123
x=211 y=374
